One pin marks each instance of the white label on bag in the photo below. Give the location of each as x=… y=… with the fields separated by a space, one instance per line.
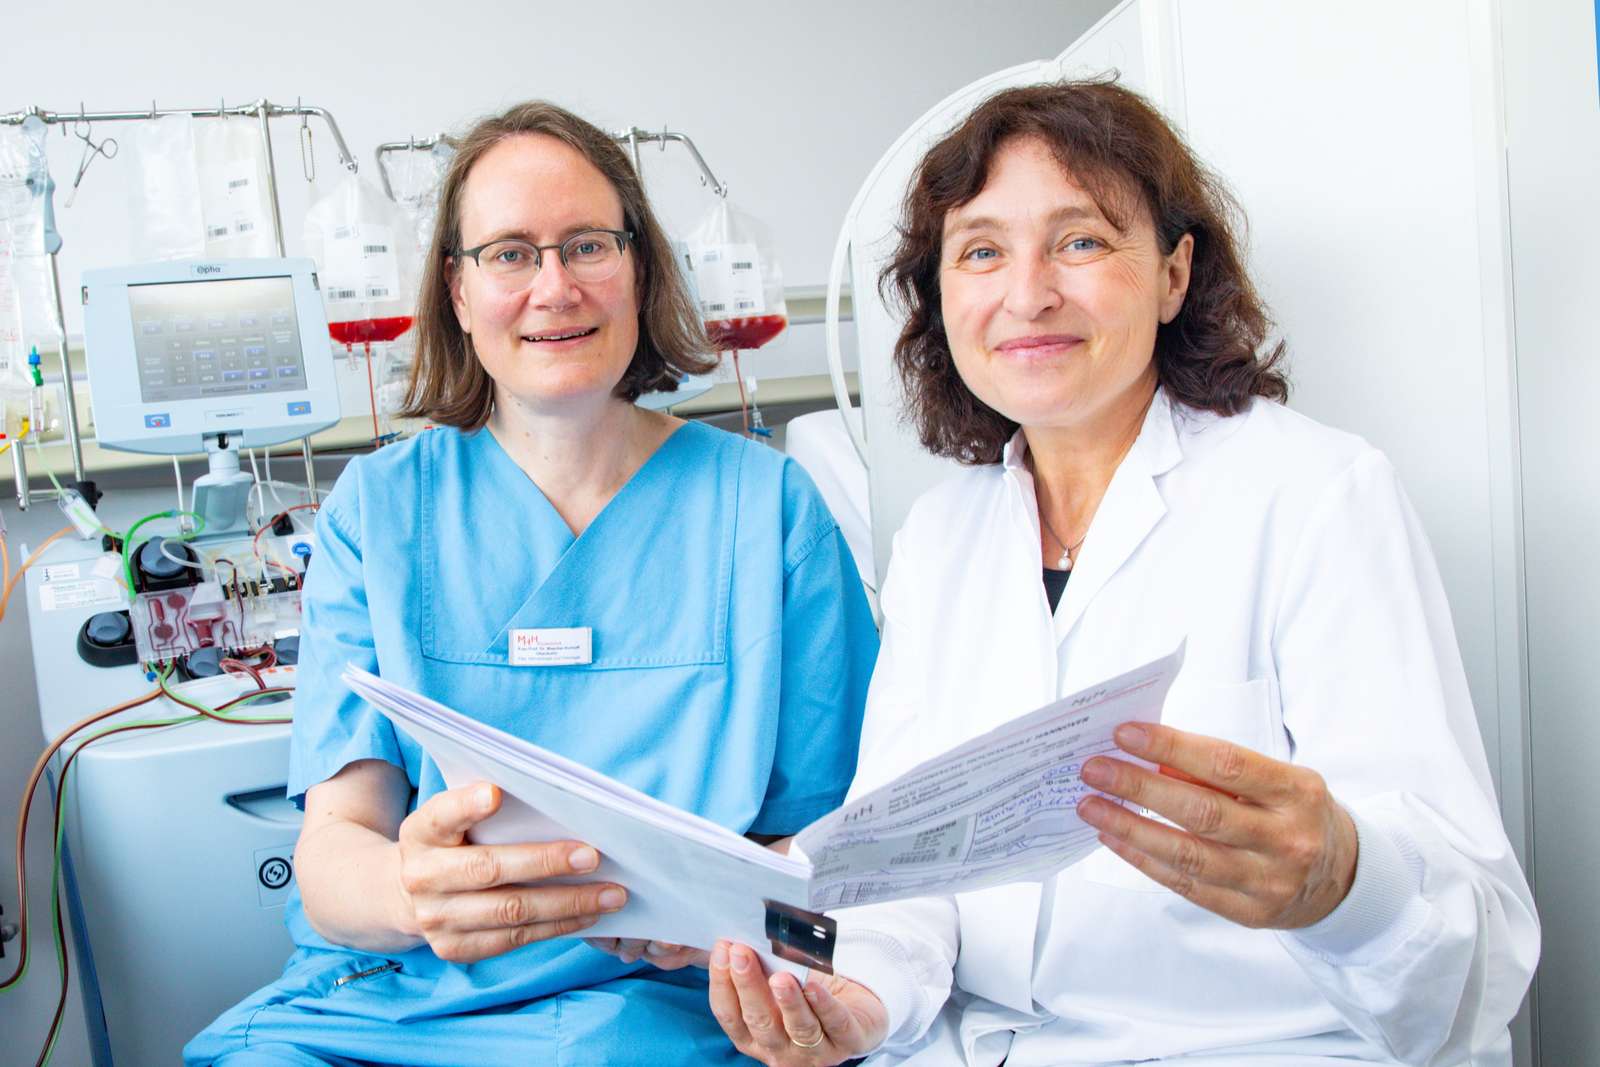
x=729 y=278
x=552 y=647
x=361 y=264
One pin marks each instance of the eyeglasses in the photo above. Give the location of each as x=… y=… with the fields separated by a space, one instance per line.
x=590 y=256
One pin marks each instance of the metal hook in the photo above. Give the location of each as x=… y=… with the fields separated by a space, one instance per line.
x=308 y=157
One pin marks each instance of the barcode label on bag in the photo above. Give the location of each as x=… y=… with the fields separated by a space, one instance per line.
x=729 y=279
x=374 y=250
x=216 y=231
x=343 y=294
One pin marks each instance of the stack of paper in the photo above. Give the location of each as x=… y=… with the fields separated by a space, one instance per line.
x=999 y=808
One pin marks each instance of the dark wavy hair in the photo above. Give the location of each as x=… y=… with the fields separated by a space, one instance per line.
x=448 y=385
x=1119 y=149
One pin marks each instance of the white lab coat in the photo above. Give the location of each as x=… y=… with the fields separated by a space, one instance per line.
x=1289 y=558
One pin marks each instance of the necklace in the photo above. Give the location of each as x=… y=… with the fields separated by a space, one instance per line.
x=1065 y=562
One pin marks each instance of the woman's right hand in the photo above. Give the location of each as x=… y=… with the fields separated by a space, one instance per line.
x=471 y=902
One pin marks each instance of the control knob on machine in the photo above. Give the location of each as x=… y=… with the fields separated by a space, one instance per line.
x=106 y=640
x=201 y=663
x=157 y=567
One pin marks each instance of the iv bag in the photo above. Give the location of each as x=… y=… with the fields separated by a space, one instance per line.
x=415 y=178
x=164 y=192
x=24 y=282
x=234 y=202
x=366 y=262
x=740 y=283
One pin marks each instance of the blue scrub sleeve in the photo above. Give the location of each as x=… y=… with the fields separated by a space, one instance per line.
x=332 y=727
x=829 y=646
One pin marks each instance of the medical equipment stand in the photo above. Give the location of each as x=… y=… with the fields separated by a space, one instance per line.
x=633 y=137
x=261 y=110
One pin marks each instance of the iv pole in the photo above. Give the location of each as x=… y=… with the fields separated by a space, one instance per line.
x=632 y=137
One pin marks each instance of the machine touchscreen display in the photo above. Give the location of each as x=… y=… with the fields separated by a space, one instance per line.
x=230 y=337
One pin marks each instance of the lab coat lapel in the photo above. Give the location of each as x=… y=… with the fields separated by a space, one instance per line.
x=1131 y=508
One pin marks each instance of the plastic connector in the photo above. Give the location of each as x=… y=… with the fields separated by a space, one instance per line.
x=33 y=368
x=80 y=514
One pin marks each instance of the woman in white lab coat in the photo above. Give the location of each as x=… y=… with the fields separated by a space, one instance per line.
x=1322 y=875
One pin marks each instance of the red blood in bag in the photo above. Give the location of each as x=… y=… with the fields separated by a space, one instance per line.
x=365 y=331
x=741 y=334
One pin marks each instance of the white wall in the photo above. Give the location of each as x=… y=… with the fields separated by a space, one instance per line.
x=1553 y=162
x=790 y=104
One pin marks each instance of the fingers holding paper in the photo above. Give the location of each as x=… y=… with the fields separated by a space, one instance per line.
x=662 y=954
x=1257 y=840
x=777 y=1021
x=471 y=902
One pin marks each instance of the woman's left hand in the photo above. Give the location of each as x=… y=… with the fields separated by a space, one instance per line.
x=663 y=954
x=1258 y=841
x=782 y=1024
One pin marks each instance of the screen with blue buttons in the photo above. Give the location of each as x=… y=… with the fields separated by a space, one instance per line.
x=216 y=338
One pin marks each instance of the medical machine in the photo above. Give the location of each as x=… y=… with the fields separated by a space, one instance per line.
x=202 y=602
x=209 y=356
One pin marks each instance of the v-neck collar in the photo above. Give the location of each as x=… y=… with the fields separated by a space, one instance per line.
x=631 y=553
x=645 y=473
x=1129 y=511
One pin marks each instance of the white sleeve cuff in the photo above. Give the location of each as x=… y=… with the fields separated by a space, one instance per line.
x=1382 y=907
x=880 y=963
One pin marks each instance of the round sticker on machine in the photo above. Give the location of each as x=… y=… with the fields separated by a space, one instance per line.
x=275 y=872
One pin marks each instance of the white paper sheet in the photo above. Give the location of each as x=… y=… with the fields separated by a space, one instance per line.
x=999 y=808
x=689 y=880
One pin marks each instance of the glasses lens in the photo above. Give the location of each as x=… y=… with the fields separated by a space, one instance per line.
x=511 y=260
x=592 y=256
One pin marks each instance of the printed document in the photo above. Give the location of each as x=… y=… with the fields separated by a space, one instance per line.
x=1000 y=808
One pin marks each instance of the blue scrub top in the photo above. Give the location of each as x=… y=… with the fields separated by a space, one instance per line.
x=732 y=645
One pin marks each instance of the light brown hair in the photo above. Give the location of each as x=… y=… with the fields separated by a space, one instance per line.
x=448 y=384
x=1120 y=150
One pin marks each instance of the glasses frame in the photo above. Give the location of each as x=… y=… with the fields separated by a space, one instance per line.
x=624 y=239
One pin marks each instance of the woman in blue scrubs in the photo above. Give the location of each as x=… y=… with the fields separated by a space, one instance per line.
x=730 y=639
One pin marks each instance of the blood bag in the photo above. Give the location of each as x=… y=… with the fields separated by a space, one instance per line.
x=738 y=278
x=366 y=257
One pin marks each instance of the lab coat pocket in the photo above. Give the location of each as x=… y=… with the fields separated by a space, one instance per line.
x=1242 y=713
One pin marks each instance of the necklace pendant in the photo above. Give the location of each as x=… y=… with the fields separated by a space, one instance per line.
x=1065 y=562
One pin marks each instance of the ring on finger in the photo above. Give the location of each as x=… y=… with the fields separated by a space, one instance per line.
x=803 y=1044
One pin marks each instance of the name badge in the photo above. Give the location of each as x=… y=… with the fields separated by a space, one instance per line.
x=552 y=647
